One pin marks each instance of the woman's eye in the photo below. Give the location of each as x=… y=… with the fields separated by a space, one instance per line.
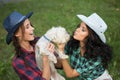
x=83 y=30
x=27 y=27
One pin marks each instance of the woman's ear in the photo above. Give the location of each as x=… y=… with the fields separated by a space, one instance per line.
x=18 y=33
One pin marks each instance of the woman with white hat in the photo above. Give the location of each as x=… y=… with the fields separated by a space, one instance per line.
x=21 y=33
x=88 y=51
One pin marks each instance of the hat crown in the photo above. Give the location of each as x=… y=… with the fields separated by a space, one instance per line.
x=98 y=23
x=13 y=19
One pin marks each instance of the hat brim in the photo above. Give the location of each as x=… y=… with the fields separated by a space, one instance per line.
x=10 y=34
x=90 y=25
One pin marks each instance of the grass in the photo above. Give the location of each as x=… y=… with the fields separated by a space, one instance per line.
x=48 y=13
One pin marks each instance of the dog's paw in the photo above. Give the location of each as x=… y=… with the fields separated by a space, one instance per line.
x=63 y=56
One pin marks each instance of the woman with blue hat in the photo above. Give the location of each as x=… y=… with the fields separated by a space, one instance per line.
x=21 y=34
x=89 y=54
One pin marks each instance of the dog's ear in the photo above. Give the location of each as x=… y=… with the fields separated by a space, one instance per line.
x=53 y=27
x=54 y=37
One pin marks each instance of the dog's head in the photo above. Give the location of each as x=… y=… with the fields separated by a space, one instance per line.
x=58 y=35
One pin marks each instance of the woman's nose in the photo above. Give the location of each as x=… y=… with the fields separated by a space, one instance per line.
x=77 y=29
x=33 y=28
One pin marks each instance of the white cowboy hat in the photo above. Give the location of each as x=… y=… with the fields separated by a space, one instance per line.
x=96 y=23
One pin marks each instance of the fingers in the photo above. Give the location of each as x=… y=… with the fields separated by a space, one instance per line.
x=61 y=46
x=45 y=58
x=51 y=47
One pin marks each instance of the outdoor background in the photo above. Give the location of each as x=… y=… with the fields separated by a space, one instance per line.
x=48 y=13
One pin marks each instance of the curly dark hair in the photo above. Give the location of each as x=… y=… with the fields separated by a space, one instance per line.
x=94 y=47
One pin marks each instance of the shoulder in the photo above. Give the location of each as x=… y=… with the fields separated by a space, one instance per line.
x=18 y=63
x=35 y=40
x=17 y=60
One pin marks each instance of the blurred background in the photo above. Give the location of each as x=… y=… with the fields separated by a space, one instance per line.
x=48 y=13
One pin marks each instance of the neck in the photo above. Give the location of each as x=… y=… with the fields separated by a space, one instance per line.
x=49 y=36
x=46 y=38
x=82 y=48
x=82 y=44
x=27 y=46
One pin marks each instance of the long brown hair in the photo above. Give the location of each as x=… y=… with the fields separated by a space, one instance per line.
x=15 y=40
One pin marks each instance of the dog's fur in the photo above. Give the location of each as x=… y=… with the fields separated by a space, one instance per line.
x=55 y=35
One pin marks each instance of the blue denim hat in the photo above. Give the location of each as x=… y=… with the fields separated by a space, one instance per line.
x=12 y=22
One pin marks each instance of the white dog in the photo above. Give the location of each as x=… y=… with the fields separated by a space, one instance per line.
x=56 y=35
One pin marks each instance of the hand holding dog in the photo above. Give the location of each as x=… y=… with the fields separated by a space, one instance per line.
x=51 y=47
x=61 y=47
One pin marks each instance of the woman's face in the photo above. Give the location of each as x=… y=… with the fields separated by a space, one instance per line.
x=81 y=32
x=26 y=33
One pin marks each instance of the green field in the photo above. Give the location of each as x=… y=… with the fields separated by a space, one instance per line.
x=48 y=13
